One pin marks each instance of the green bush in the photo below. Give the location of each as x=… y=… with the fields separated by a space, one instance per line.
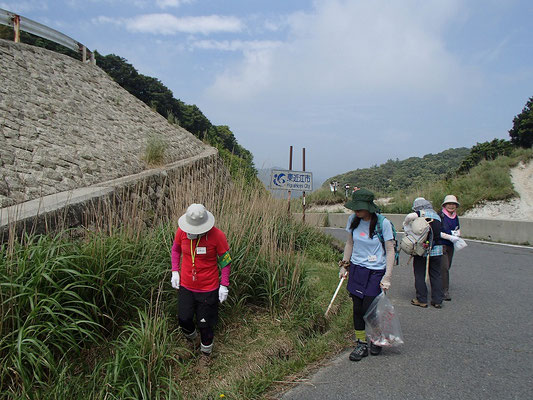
x=154 y=154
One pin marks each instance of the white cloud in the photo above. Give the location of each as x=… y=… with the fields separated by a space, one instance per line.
x=171 y=3
x=103 y=20
x=345 y=47
x=168 y=24
x=234 y=45
x=21 y=7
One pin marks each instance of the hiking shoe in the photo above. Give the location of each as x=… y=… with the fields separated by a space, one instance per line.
x=436 y=305
x=360 y=351
x=415 y=302
x=375 y=350
x=447 y=296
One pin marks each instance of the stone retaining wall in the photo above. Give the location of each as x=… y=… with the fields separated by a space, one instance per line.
x=150 y=195
x=66 y=125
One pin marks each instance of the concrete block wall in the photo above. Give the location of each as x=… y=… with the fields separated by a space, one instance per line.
x=66 y=125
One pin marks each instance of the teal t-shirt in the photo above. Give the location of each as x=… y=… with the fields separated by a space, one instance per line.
x=368 y=252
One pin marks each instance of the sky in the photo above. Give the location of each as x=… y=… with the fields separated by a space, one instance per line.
x=354 y=82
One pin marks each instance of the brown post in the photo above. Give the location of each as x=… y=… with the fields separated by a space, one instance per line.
x=303 y=195
x=289 y=194
x=16 y=28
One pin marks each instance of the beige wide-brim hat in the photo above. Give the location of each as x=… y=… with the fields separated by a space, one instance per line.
x=450 y=199
x=196 y=220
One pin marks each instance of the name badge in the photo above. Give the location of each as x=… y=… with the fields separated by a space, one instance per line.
x=372 y=258
x=201 y=250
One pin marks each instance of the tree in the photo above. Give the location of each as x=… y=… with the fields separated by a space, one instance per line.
x=485 y=151
x=522 y=130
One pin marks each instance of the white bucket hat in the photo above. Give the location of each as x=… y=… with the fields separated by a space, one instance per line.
x=196 y=220
x=450 y=199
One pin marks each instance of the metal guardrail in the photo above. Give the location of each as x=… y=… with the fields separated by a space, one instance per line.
x=27 y=25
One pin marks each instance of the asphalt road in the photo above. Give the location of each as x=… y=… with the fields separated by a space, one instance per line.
x=478 y=346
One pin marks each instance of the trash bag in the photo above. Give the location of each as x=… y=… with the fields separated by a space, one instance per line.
x=460 y=244
x=382 y=324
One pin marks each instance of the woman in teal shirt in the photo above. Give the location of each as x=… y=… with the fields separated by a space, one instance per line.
x=368 y=263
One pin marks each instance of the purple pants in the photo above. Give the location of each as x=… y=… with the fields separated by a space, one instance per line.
x=363 y=281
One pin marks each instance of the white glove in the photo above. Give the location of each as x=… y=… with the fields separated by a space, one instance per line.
x=223 y=293
x=175 y=280
x=410 y=218
x=385 y=282
x=451 y=238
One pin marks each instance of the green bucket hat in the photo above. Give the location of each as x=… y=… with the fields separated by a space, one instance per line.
x=362 y=199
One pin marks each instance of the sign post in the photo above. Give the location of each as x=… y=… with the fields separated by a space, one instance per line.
x=289 y=195
x=303 y=194
x=289 y=180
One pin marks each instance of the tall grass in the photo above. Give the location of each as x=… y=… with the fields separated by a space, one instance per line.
x=154 y=153
x=94 y=307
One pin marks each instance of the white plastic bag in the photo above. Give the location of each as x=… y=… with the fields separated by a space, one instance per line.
x=382 y=324
x=459 y=244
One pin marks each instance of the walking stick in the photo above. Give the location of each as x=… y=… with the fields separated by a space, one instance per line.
x=334 y=295
x=427 y=267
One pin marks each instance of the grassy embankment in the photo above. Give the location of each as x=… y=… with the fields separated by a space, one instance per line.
x=488 y=181
x=93 y=316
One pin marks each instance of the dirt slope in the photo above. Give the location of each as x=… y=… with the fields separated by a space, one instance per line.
x=516 y=209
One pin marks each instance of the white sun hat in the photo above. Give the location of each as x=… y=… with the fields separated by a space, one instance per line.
x=196 y=220
x=450 y=199
x=421 y=204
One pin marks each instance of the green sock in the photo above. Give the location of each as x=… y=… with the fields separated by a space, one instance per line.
x=360 y=335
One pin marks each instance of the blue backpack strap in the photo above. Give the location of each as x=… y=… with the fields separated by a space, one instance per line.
x=379 y=232
x=379 y=229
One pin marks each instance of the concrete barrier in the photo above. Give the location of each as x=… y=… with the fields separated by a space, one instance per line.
x=494 y=230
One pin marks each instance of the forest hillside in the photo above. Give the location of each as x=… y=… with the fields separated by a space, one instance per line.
x=404 y=174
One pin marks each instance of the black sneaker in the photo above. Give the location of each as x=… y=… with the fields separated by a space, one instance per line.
x=447 y=296
x=436 y=305
x=375 y=350
x=360 y=351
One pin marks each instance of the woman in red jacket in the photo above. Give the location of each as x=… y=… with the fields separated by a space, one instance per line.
x=200 y=270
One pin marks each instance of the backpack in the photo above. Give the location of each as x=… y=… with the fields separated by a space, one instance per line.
x=379 y=232
x=416 y=234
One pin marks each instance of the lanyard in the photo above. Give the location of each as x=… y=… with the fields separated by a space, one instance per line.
x=193 y=256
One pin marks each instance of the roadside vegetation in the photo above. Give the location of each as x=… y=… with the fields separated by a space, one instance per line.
x=488 y=180
x=89 y=313
x=403 y=174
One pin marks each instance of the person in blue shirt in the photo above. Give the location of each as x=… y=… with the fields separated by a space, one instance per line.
x=367 y=262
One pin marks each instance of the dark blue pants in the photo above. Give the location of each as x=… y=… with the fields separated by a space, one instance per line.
x=435 y=279
x=203 y=305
